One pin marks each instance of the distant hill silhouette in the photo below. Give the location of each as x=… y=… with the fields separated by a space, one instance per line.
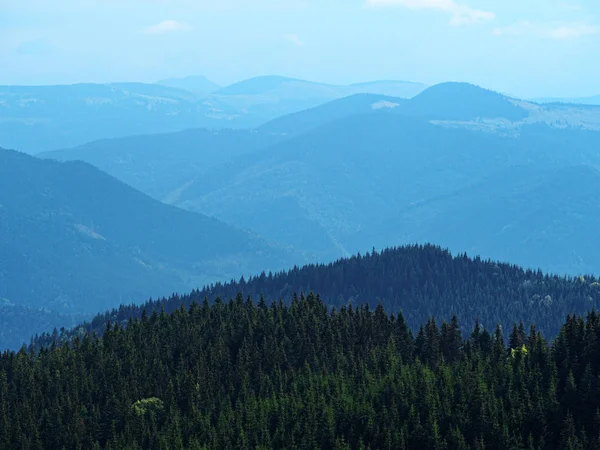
x=260 y=85
x=197 y=84
x=38 y=118
x=286 y=87
x=273 y=96
x=446 y=101
x=463 y=101
x=42 y=118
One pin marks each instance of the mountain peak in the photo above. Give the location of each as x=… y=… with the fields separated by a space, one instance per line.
x=465 y=101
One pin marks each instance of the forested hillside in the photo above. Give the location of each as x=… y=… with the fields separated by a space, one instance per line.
x=420 y=281
x=386 y=179
x=75 y=240
x=473 y=175
x=164 y=165
x=244 y=375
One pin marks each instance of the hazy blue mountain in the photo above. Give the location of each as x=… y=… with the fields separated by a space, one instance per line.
x=263 y=84
x=538 y=216
x=269 y=97
x=390 y=179
x=197 y=84
x=37 y=118
x=448 y=102
x=452 y=104
x=368 y=169
x=74 y=239
x=161 y=165
x=41 y=118
x=391 y=88
x=285 y=87
x=303 y=121
x=464 y=101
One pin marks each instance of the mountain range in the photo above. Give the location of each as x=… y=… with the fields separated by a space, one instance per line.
x=457 y=165
x=42 y=118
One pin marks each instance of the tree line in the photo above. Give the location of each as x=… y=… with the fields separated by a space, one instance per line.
x=419 y=280
x=247 y=374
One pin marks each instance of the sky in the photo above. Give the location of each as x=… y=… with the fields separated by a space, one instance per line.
x=525 y=48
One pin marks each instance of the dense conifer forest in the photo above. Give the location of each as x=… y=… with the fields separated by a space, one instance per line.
x=245 y=375
x=420 y=281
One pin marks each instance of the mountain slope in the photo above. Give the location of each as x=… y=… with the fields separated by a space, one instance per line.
x=420 y=281
x=17 y=323
x=533 y=215
x=448 y=102
x=195 y=83
x=42 y=118
x=262 y=85
x=393 y=179
x=269 y=97
x=464 y=101
x=306 y=120
x=390 y=88
x=163 y=165
x=38 y=118
x=74 y=239
x=368 y=169
x=451 y=104
x=286 y=87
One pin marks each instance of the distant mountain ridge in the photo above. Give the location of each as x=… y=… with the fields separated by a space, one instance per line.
x=43 y=118
x=37 y=118
x=162 y=164
x=449 y=104
x=197 y=84
x=276 y=85
x=365 y=169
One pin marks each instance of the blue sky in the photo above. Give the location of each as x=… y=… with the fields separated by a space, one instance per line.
x=521 y=47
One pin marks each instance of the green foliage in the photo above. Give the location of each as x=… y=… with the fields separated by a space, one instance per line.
x=147 y=406
x=248 y=375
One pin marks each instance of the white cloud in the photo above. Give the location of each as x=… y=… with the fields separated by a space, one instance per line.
x=167 y=26
x=459 y=14
x=294 y=39
x=570 y=31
